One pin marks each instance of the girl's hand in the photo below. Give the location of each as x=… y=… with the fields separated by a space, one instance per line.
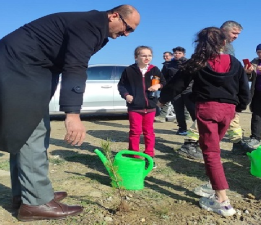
x=129 y=99
x=160 y=105
x=154 y=87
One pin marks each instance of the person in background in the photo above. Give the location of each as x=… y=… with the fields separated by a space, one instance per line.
x=161 y=113
x=31 y=60
x=232 y=29
x=220 y=89
x=181 y=102
x=136 y=87
x=254 y=75
x=190 y=148
x=178 y=59
x=167 y=56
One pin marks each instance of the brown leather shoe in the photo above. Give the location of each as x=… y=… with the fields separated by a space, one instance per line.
x=58 y=196
x=49 y=211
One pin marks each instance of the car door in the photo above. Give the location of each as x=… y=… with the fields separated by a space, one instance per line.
x=118 y=102
x=98 y=96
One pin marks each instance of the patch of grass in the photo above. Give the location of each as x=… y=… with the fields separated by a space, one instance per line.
x=57 y=161
x=4 y=165
x=162 y=213
x=85 y=204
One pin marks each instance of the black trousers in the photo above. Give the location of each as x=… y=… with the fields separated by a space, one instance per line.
x=179 y=106
x=256 y=116
x=256 y=126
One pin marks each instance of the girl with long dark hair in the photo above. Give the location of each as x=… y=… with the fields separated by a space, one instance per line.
x=220 y=90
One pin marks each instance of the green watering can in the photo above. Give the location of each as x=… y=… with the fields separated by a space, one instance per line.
x=131 y=171
x=255 y=157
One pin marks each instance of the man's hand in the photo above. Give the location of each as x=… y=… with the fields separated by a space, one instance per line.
x=75 y=129
x=249 y=70
x=258 y=69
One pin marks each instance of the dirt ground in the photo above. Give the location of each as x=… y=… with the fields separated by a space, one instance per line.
x=167 y=197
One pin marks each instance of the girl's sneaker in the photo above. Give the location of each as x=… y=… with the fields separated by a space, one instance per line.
x=204 y=190
x=212 y=204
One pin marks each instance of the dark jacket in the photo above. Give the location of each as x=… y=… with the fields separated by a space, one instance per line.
x=231 y=87
x=133 y=83
x=174 y=66
x=31 y=59
x=164 y=68
x=252 y=77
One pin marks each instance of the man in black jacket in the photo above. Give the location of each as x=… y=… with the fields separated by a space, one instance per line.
x=31 y=59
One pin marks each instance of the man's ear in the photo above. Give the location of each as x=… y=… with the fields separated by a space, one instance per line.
x=112 y=16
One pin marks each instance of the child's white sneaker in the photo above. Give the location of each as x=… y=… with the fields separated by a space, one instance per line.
x=212 y=204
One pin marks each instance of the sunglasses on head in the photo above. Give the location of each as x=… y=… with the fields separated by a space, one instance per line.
x=128 y=27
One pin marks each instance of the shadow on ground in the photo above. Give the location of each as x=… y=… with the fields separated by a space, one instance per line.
x=6 y=198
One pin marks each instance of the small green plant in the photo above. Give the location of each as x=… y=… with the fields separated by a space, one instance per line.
x=115 y=177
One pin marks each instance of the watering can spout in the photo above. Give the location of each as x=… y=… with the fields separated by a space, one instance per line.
x=103 y=159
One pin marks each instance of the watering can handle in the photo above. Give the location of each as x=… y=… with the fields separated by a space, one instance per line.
x=129 y=152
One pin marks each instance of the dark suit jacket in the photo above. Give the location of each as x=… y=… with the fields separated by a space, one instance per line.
x=32 y=57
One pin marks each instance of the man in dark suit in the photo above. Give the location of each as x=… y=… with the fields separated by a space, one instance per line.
x=31 y=59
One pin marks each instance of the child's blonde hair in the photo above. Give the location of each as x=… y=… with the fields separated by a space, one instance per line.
x=139 y=48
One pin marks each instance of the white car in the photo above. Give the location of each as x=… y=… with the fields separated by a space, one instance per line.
x=101 y=93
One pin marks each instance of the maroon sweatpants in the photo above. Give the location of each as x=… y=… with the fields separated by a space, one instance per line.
x=213 y=120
